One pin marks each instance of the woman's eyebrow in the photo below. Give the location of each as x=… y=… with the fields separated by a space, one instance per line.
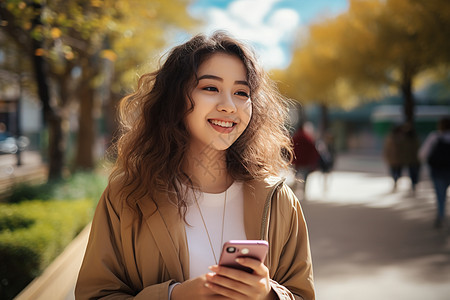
x=207 y=76
x=242 y=82
x=214 y=77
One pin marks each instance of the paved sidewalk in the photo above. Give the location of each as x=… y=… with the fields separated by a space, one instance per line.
x=367 y=242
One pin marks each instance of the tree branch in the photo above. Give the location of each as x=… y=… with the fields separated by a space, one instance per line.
x=17 y=34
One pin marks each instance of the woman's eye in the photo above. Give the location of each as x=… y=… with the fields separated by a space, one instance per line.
x=243 y=94
x=210 y=89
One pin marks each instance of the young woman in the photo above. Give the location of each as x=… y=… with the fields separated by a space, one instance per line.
x=202 y=141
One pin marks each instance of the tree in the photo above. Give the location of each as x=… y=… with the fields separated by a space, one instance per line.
x=366 y=52
x=70 y=41
x=391 y=43
x=315 y=74
x=23 y=33
x=128 y=52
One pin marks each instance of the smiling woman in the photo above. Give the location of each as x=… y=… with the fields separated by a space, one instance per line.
x=203 y=139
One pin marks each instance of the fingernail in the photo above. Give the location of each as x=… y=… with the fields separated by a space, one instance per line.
x=238 y=260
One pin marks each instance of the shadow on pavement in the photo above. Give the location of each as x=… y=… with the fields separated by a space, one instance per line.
x=378 y=244
x=342 y=236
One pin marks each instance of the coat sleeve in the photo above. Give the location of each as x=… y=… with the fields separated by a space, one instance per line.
x=291 y=263
x=103 y=274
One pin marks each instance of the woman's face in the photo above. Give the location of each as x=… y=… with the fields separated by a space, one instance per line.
x=222 y=104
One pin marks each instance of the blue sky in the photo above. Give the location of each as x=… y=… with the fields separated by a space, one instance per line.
x=271 y=26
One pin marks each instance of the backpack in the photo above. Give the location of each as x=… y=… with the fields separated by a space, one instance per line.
x=326 y=159
x=440 y=155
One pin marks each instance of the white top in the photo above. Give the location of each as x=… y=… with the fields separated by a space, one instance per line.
x=211 y=205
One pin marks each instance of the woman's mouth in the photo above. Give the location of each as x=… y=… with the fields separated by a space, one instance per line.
x=222 y=126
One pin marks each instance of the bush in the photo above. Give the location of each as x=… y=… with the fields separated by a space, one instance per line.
x=81 y=185
x=26 y=191
x=32 y=234
x=78 y=186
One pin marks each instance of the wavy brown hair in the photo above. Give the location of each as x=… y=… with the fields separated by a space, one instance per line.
x=153 y=139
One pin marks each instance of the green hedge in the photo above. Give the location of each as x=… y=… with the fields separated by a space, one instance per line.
x=32 y=234
x=80 y=185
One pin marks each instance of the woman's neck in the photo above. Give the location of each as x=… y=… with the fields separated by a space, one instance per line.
x=207 y=170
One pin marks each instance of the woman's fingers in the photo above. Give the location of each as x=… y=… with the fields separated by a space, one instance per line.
x=257 y=266
x=232 y=273
x=194 y=289
x=225 y=286
x=239 y=284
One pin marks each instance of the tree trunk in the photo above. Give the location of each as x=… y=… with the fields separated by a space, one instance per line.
x=110 y=115
x=408 y=97
x=56 y=146
x=52 y=120
x=86 y=130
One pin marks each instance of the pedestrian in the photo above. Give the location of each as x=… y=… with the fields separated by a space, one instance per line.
x=202 y=140
x=306 y=157
x=325 y=148
x=435 y=151
x=401 y=151
x=392 y=155
x=410 y=145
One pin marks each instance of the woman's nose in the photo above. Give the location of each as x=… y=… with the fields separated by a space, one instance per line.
x=226 y=104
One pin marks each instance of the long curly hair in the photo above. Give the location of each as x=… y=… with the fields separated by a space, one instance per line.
x=153 y=139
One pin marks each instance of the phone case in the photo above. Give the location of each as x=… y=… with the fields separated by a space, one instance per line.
x=233 y=249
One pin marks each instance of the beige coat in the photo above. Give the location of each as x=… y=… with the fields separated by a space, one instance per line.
x=128 y=256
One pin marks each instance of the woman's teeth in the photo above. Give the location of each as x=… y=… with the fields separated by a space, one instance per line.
x=222 y=123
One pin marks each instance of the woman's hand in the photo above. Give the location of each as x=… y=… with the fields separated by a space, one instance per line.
x=194 y=289
x=237 y=284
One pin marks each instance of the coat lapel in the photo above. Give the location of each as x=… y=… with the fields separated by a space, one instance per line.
x=169 y=234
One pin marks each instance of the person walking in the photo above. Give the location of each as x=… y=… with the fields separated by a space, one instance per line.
x=306 y=157
x=202 y=142
x=409 y=148
x=401 y=151
x=392 y=154
x=325 y=148
x=435 y=151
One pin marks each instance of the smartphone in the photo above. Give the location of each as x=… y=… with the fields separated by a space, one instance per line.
x=233 y=249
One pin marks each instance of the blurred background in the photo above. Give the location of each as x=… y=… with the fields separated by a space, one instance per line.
x=354 y=69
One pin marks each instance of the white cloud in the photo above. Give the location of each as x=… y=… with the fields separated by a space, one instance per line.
x=252 y=12
x=285 y=19
x=270 y=30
